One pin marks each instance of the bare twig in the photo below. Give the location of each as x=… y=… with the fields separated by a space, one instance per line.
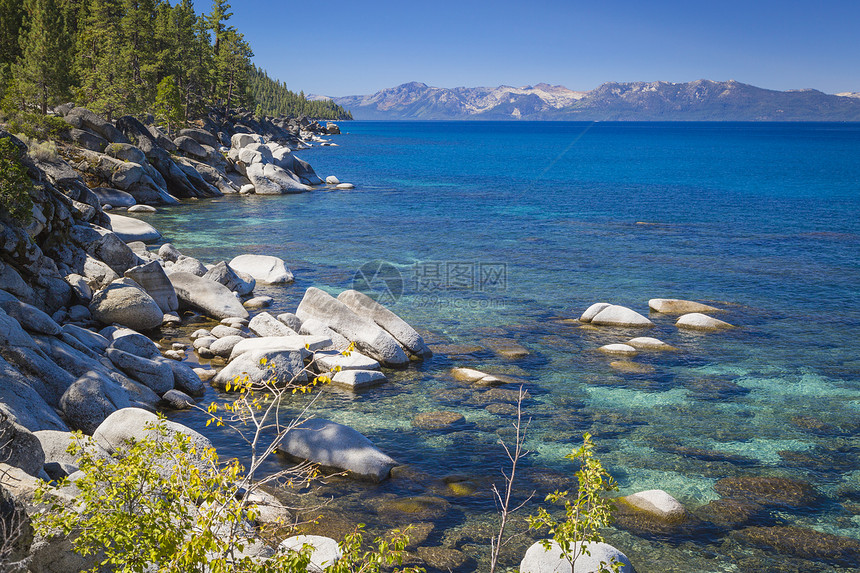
x=504 y=501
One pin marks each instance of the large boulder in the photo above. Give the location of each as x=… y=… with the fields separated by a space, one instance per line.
x=368 y=337
x=276 y=366
x=592 y=311
x=678 y=306
x=333 y=360
x=105 y=246
x=588 y=557
x=125 y=303
x=135 y=424
x=334 y=445
x=211 y=298
x=56 y=445
x=21 y=403
x=130 y=229
x=130 y=341
x=615 y=315
x=222 y=273
x=83 y=118
x=152 y=278
x=269 y=179
x=201 y=136
x=184 y=264
x=407 y=336
x=91 y=399
x=264 y=268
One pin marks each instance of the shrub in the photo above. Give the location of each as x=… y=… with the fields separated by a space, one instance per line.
x=35 y=125
x=586 y=514
x=41 y=150
x=15 y=185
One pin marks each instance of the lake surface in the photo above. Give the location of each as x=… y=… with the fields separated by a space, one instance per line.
x=489 y=232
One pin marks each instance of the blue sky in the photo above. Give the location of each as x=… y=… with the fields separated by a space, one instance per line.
x=337 y=48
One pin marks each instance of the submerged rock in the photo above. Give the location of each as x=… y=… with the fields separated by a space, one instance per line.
x=803 y=543
x=648 y=343
x=775 y=492
x=437 y=420
x=619 y=349
x=678 y=306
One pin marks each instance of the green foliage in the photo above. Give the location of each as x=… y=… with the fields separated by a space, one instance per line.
x=168 y=104
x=585 y=514
x=42 y=71
x=43 y=150
x=274 y=99
x=386 y=553
x=159 y=505
x=15 y=185
x=35 y=125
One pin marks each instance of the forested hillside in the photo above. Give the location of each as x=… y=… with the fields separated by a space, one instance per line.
x=121 y=57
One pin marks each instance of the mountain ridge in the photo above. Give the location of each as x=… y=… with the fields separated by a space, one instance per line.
x=699 y=100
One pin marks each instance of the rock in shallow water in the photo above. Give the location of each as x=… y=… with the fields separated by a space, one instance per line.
x=678 y=306
x=703 y=322
x=209 y=297
x=775 y=492
x=538 y=559
x=264 y=268
x=324 y=550
x=337 y=446
x=615 y=315
x=130 y=229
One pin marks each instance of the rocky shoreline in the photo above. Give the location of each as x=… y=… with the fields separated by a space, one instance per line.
x=80 y=290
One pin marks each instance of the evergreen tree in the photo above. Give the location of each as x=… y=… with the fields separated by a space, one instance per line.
x=11 y=18
x=41 y=75
x=168 y=104
x=233 y=66
x=217 y=17
x=138 y=52
x=105 y=83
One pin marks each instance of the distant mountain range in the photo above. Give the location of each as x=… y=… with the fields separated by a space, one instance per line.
x=701 y=100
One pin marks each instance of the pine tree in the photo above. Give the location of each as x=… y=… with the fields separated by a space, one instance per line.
x=168 y=104
x=105 y=83
x=11 y=18
x=138 y=52
x=41 y=74
x=233 y=66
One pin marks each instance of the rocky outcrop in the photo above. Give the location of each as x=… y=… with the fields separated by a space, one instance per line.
x=368 y=337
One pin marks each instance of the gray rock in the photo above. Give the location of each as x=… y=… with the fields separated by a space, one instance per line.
x=23 y=404
x=313 y=327
x=224 y=346
x=258 y=302
x=30 y=317
x=161 y=138
x=222 y=330
x=168 y=252
x=88 y=140
x=105 y=246
x=152 y=278
x=210 y=298
x=332 y=180
x=130 y=229
x=678 y=306
x=91 y=399
x=337 y=446
x=80 y=287
x=141 y=209
x=329 y=360
x=79 y=313
x=264 y=324
x=184 y=377
x=126 y=304
x=368 y=337
x=304 y=344
x=703 y=322
x=592 y=311
x=133 y=342
x=88 y=338
x=56 y=444
x=222 y=273
x=657 y=503
x=291 y=320
x=358 y=379
x=615 y=315
x=201 y=136
x=365 y=306
x=136 y=424
x=191 y=147
x=97 y=274
x=19 y=447
x=83 y=118
x=114 y=197
x=185 y=264
x=240 y=140
x=281 y=367
x=178 y=400
x=11 y=282
x=156 y=375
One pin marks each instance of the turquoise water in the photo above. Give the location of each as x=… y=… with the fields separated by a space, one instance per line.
x=758 y=219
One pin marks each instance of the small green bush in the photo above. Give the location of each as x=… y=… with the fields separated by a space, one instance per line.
x=42 y=150
x=35 y=125
x=15 y=185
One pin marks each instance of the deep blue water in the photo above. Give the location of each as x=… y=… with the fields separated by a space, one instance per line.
x=504 y=230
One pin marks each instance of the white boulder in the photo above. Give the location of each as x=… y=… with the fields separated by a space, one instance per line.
x=678 y=306
x=699 y=321
x=130 y=229
x=207 y=296
x=324 y=550
x=615 y=315
x=365 y=306
x=264 y=268
x=592 y=311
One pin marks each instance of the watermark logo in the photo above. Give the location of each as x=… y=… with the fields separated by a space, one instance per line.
x=380 y=280
x=438 y=280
